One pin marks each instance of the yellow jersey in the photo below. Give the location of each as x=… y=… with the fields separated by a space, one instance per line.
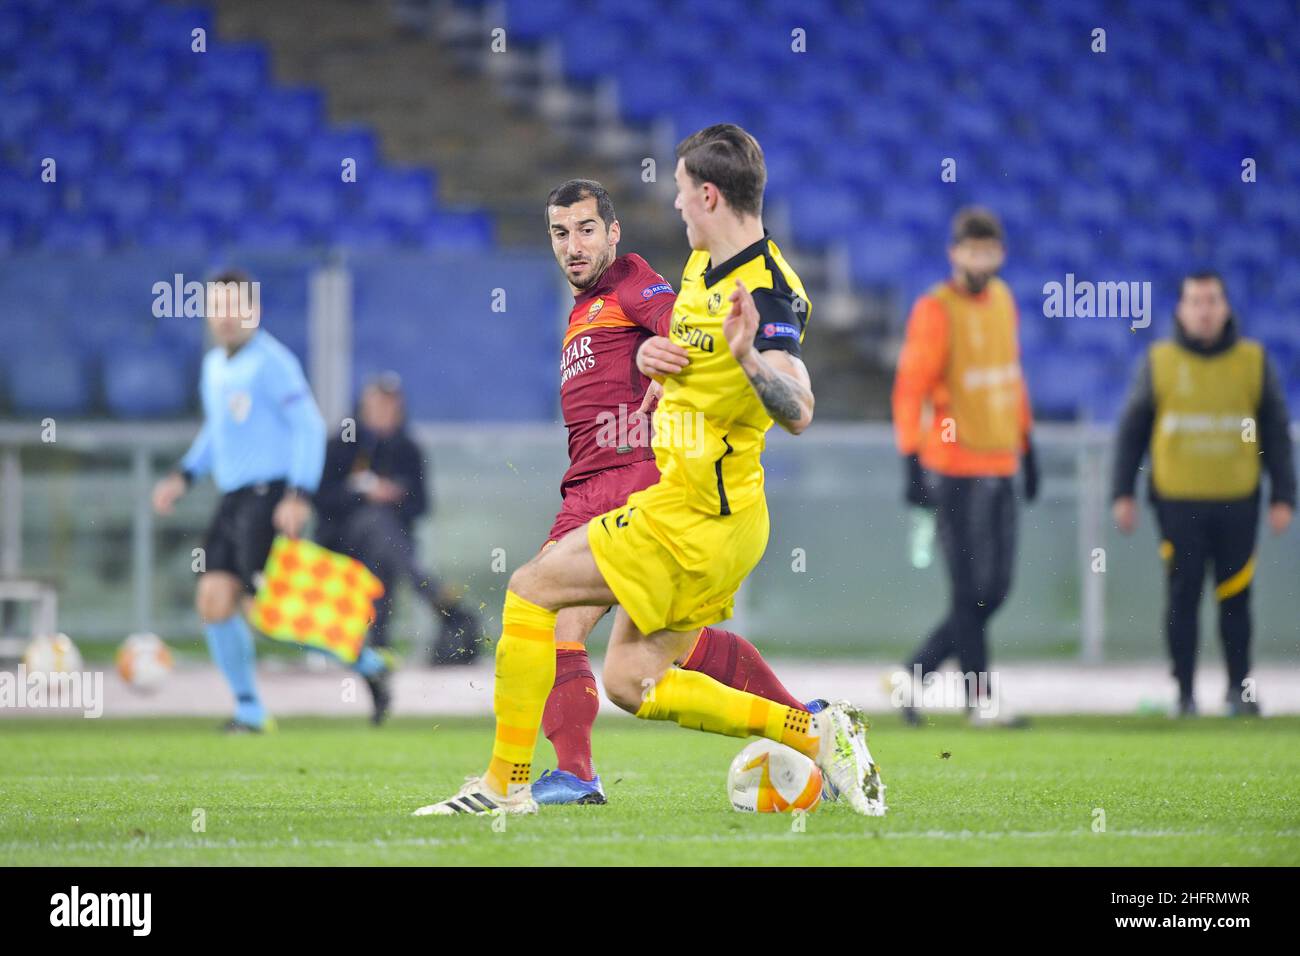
x=710 y=426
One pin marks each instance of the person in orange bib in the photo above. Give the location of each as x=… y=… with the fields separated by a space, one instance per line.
x=962 y=423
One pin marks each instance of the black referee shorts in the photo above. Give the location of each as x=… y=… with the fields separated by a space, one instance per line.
x=239 y=538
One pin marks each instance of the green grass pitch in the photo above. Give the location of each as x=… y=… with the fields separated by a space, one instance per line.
x=336 y=791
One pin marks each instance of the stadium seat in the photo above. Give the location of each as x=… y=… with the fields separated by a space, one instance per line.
x=456 y=231
x=363 y=235
x=146 y=382
x=324 y=154
x=157 y=147
x=189 y=234
x=76 y=152
x=125 y=199
x=243 y=151
x=224 y=198
x=314 y=200
x=66 y=232
x=52 y=380
x=402 y=195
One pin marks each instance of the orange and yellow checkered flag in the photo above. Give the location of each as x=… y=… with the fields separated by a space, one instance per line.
x=313 y=597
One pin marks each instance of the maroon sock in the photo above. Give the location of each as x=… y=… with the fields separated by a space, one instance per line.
x=571 y=711
x=730 y=659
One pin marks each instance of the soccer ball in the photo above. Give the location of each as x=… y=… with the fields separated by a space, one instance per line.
x=52 y=654
x=767 y=777
x=144 y=661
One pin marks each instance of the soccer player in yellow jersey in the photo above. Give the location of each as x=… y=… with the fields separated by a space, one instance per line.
x=675 y=554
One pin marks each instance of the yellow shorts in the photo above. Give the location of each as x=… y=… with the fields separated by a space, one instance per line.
x=673 y=567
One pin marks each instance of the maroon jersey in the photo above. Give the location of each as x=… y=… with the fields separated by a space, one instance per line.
x=600 y=385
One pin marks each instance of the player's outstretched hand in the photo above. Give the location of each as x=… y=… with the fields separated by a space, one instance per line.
x=291 y=514
x=1124 y=511
x=658 y=356
x=653 y=393
x=167 y=492
x=741 y=324
x=1279 y=516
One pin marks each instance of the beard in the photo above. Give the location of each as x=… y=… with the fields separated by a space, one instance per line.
x=598 y=266
x=976 y=281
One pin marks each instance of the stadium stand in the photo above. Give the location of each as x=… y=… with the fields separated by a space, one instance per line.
x=1121 y=165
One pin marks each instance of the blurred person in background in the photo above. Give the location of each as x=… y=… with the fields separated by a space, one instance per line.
x=372 y=491
x=1209 y=407
x=962 y=423
x=263 y=442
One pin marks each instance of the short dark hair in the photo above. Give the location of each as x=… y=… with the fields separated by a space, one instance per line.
x=1202 y=275
x=229 y=275
x=576 y=190
x=976 y=222
x=731 y=159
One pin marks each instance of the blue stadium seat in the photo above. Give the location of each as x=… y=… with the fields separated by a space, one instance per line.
x=1246 y=245
x=51 y=380
x=459 y=231
x=96 y=34
x=65 y=232
x=314 y=200
x=1091 y=205
x=146 y=382
x=324 y=154
x=22 y=110
x=223 y=198
x=533 y=20
x=189 y=234
x=265 y=234
x=821 y=212
x=146 y=74
x=919 y=207
x=55 y=72
x=157 y=147
x=586 y=46
x=246 y=152
x=645 y=94
x=108 y=111
x=125 y=199
x=10 y=233
x=1061 y=382
x=878 y=255
x=23 y=195
x=402 y=195
x=291 y=114
x=365 y=235
x=237 y=69
x=76 y=152
x=170 y=28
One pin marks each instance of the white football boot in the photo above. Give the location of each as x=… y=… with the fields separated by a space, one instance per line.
x=475 y=798
x=845 y=760
x=872 y=785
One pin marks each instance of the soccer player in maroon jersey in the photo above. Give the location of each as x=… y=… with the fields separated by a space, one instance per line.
x=619 y=302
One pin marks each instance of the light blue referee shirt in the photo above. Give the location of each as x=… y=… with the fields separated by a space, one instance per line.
x=260 y=423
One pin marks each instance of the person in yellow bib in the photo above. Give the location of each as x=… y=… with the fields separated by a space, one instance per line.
x=962 y=423
x=673 y=556
x=1208 y=406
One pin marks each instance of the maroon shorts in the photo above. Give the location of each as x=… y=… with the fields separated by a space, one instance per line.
x=603 y=491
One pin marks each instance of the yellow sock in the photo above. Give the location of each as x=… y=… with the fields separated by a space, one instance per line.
x=525 y=671
x=699 y=702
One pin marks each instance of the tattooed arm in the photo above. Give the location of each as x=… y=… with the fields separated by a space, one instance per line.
x=778 y=378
